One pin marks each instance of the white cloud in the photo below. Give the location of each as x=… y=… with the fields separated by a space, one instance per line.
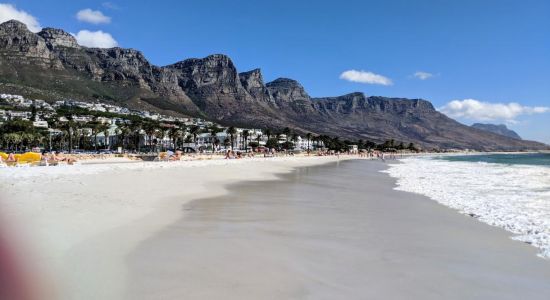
x=365 y=77
x=95 y=39
x=92 y=16
x=423 y=75
x=475 y=110
x=10 y=12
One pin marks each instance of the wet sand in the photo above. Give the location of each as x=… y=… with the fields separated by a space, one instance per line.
x=337 y=231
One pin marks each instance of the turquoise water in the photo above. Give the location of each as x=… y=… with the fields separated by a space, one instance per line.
x=538 y=159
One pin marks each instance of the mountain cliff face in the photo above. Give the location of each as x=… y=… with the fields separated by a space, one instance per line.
x=51 y=65
x=498 y=129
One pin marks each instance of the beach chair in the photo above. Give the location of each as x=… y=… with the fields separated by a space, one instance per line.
x=30 y=158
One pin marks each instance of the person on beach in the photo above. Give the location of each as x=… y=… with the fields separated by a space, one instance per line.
x=59 y=157
x=44 y=160
x=229 y=154
x=176 y=156
x=11 y=158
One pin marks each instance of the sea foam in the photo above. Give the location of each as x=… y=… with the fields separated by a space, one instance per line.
x=514 y=197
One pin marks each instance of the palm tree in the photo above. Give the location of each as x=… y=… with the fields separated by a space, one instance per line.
x=106 y=135
x=226 y=143
x=77 y=134
x=231 y=130
x=150 y=129
x=69 y=128
x=246 y=134
x=135 y=129
x=194 y=131
x=182 y=129
x=173 y=135
x=214 y=136
x=124 y=133
x=316 y=139
x=159 y=135
x=97 y=127
x=287 y=132
x=268 y=133
x=118 y=133
x=258 y=138
x=308 y=137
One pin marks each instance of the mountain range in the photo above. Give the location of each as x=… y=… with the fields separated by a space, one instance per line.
x=50 y=65
x=498 y=129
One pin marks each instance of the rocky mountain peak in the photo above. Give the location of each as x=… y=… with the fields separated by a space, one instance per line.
x=423 y=104
x=287 y=90
x=58 y=38
x=214 y=70
x=498 y=129
x=121 y=54
x=14 y=26
x=251 y=79
x=16 y=37
x=285 y=82
x=253 y=82
x=211 y=61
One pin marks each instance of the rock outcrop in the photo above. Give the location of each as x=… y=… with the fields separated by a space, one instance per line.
x=51 y=65
x=253 y=83
x=18 y=41
x=498 y=129
x=55 y=38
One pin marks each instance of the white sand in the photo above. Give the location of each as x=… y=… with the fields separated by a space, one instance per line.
x=83 y=220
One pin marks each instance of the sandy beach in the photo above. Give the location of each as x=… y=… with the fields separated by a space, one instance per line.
x=285 y=228
x=79 y=222
x=337 y=231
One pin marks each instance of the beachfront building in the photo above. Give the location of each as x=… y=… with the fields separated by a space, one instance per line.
x=208 y=142
x=40 y=124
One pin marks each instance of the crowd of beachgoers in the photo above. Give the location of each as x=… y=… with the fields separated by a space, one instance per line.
x=31 y=159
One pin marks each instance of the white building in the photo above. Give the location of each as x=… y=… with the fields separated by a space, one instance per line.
x=23 y=115
x=82 y=119
x=40 y=124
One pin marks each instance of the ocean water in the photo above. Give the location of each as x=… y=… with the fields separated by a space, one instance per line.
x=511 y=191
x=535 y=159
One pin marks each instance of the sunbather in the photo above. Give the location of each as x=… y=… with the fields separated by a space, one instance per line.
x=11 y=158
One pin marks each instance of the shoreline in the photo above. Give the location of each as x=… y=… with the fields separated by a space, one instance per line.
x=512 y=197
x=312 y=245
x=88 y=219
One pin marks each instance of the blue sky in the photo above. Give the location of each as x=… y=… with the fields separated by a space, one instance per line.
x=492 y=52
